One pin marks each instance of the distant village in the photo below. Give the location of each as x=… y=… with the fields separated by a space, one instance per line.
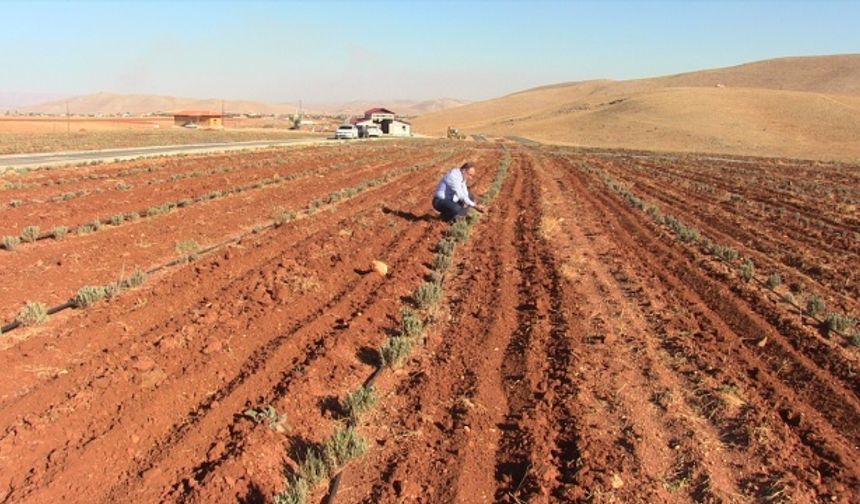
x=386 y=120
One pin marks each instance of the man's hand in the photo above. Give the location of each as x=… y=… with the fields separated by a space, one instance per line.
x=481 y=208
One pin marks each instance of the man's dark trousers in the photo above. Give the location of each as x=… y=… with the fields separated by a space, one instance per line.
x=449 y=209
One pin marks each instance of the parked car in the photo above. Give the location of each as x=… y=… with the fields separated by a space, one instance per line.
x=346 y=131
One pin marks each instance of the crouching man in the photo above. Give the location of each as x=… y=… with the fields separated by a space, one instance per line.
x=452 y=198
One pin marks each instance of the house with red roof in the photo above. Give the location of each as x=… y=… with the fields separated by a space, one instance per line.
x=386 y=120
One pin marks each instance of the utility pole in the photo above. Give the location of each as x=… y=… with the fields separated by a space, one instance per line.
x=68 y=121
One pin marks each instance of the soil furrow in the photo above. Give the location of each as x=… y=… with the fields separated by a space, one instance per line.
x=821 y=400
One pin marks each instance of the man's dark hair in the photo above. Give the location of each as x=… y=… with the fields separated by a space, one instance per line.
x=467 y=165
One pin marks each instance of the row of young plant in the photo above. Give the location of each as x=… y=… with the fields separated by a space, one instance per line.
x=30 y=234
x=23 y=170
x=34 y=313
x=17 y=184
x=120 y=186
x=815 y=307
x=319 y=464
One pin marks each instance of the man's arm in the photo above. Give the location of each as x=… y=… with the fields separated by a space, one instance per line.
x=463 y=191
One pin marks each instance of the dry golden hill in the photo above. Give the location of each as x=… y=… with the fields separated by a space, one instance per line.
x=797 y=107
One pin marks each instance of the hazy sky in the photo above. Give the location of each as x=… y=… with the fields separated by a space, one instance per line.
x=330 y=51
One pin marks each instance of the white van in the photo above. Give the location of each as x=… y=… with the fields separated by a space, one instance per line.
x=346 y=131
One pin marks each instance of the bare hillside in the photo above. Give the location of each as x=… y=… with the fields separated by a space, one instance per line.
x=799 y=107
x=113 y=103
x=401 y=107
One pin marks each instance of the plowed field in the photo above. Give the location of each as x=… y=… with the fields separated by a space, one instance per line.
x=611 y=330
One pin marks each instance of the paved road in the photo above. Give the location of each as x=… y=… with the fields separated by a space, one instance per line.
x=75 y=157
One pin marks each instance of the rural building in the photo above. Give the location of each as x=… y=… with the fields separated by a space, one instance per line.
x=398 y=127
x=387 y=122
x=201 y=118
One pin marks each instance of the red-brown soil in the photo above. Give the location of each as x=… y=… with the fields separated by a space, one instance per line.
x=581 y=352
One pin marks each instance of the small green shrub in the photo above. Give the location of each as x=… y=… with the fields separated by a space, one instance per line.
x=32 y=313
x=122 y=186
x=838 y=322
x=654 y=212
x=296 y=494
x=774 y=280
x=725 y=252
x=157 y=210
x=688 y=234
x=459 y=231
x=59 y=232
x=30 y=234
x=747 y=270
x=441 y=263
x=90 y=295
x=113 y=289
x=15 y=203
x=117 y=219
x=186 y=247
x=84 y=229
x=283 y=217
x=428 y=294
x=345 y=444
x=358 y=402
x=395 y=351
x=136 y=279
x=10 y=242
x=815 y=306
x=445 y=246
x=269 y=415
x=411 y=325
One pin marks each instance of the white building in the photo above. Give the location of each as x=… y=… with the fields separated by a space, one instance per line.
x=387 y=122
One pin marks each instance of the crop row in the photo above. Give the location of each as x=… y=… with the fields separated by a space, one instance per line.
x=35 y=313
x=814 y=306
x=189 y=171
x=33 y=233
x=319 y=464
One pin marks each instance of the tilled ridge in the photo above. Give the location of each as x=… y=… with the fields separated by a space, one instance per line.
x=539 y=440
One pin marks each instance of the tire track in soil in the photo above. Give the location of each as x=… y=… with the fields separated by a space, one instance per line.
x=815 y=441
x=442 y=417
